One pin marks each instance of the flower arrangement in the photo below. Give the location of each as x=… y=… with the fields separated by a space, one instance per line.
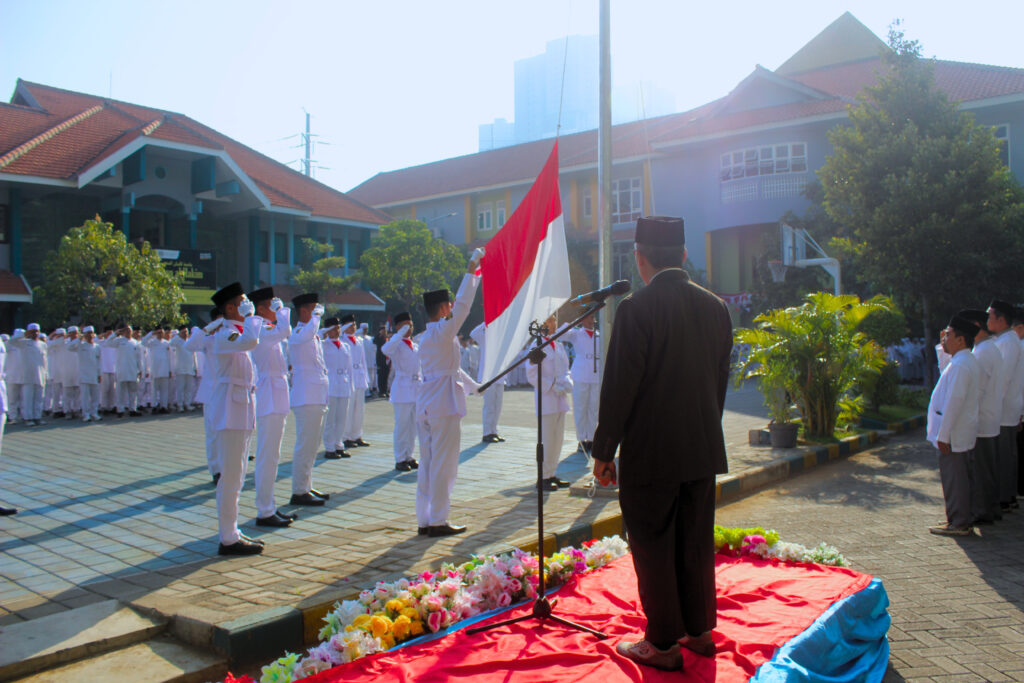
x=760 y=543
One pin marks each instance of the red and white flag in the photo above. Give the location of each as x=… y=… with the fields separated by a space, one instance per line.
x=525 y=271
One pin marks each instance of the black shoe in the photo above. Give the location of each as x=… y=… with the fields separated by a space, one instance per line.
x=491 y=438
x=360 y=442
x=325 y=496
x=580 y=448
x=240 y=547
x=561 y=483
x=332 y=455
x=415 y=464
x=251 y=540
x=287 y=515
x=135 y=413
x=348 y=443
x=216 y=478
x=122 y=415
x=403 y=466
x=588 y=446
x=251 y=458
x=344 y=454
x=7 y=512
x=273 y=520
x=422 y=531
x=549 y=484
x=307 y=499
x=500 y=438
x=444 y=530
x=56 y=415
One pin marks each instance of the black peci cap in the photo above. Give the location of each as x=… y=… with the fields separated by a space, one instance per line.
x=226 y=294
x=660 y=231
x=303 y=299
x=402 y=317
x=436 y=297
x=264 y=294
x=965 y=327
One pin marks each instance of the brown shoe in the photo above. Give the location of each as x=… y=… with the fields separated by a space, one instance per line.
x=947 y=530
x=703 y=644
x=642 y=652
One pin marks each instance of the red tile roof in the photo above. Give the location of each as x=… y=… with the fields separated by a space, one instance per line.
x=44 y=132
x=520 y=163
x=13 y=287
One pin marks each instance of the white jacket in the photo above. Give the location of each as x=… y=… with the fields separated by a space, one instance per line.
x=357 y=352
x=88 y=357
x=585 y=345
x=1008 y=344
x=953 y=409
x=309 y=373
x=233 y=394
x=271 y=366
x=159 y=355
x=405 y=360
x=338 y=359
x=990 y=402
x=443 y=392
x=555 y=382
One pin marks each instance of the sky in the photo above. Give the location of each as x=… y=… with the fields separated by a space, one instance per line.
x=396 y=83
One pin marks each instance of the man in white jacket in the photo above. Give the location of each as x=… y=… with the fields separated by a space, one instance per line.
x=338 y=359
x=158 y=343
x=184 y=370
x=552 y=386
x=586 y=380
x=495 y=394
x=87 y=354
x=360 y=381
x=70 y=392
x=54 y=389
x=200 y=341
x=129 y=371
x=953 y=425
x=1000 y=320
x=405 y=361
x=308 y=396
x=32 y=353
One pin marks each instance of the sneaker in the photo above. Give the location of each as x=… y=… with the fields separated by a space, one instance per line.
x=642 y=652
x=947 y=530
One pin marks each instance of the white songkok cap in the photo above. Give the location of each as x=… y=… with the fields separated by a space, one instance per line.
x=88 y=328
x=60 y=330
x=4 y=337
x=73 y=328
x=33 y=326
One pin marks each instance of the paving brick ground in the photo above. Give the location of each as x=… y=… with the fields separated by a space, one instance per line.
x=957 y=604
x=125 y=509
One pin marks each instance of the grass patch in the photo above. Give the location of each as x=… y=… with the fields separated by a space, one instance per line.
x=836 y=437
x=893 y=413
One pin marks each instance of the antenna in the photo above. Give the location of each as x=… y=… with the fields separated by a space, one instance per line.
x=307 y=164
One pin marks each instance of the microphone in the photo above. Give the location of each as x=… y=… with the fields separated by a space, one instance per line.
x=615 y=289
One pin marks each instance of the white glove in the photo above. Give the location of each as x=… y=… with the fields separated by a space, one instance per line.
x=214 y=326
x=246 y=308
x=318 y=310
x=276 y=304
x=474 y=261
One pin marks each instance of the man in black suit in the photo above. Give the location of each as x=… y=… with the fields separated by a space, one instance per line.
x=662 y=399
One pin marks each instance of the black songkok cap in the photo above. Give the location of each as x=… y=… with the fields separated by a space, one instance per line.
x=265 y=294
x=330 y=322
x=963 y=326
x=979 y=318
x=215 y=313
x=436 y=297
x=1018 y=315
x=303 y=299
x=108 y=328
x=402 y=317
x=660 y=231
x=348 y=318
x=227 y=294
x=1002 y=308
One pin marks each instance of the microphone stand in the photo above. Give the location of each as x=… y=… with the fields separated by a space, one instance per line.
x=542 y=607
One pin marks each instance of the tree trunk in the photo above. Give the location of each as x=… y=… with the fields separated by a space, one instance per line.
x=930 y=369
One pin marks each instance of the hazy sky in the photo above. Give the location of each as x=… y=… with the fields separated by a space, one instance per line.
x=392 y=84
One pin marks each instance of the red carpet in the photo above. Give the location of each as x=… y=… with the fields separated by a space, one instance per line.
x=761 y=605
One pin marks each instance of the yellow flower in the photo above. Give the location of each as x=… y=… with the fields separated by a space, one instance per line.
x=388 y=641
x=411 y=613
x=379 y=626
x=394 y=605
x=362 y=621
x=417 y=628
x=401 y=627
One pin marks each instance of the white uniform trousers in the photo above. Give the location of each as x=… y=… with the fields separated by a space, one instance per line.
x=162 y=391
x=356 y=405
x=71 y=399
x=309 y=426
x=31 y=402
x=405 y=431
x=493 y=398
x=335 y=422
x=439 y=465
x=108 y=391
x=184 y=390
x=52 y=395
x=212 y=460
x=552 y=430
x=231 y=443
x=14 y=400
x=269 y=433
x=90 y=399
x=585 y=400
x=146 y=392
x=127 y=396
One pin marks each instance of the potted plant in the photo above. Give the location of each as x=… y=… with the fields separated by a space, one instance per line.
x=767 y=363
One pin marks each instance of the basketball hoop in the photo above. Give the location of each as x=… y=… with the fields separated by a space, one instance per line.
x=778 y=269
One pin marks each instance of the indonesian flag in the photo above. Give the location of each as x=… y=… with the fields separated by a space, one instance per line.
x=525 y=271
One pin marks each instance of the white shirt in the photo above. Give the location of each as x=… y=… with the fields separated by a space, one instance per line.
x=159 y=355
x=309 y=373
x=200 y=342
x=443 y=393
x=272 y=396
x=1008 y=344
x=233 y=395
x=953 y=409
x=88 y=356
x=338 y=359
x=183 y=360
x=32 y=354
x=69 y=363
x=586 y=344
x=13 y=371
x=357 y=352
x=990 y=403
x=405 y=360
x=554 y=377
x=108 y=357
x=128 y=363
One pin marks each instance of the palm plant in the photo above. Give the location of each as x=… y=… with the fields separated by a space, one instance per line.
x=815 y=355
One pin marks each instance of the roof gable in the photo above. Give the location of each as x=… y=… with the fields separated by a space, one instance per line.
x=844 y=40
x=762 y=88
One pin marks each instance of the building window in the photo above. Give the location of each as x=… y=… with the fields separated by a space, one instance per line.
x=499 y=213
x=627 y=200
x=483 y=217
x=281 y=247
x=5 y=228
x=588 y=208
x=1002 y=133
x=263 y=246
x=790 y=157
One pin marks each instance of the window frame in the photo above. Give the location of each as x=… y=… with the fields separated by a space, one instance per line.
x=484 y=217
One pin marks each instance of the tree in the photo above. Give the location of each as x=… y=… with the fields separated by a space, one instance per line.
x=97 y=275
x=320 y=274
x=933 y=215
x=406 y=260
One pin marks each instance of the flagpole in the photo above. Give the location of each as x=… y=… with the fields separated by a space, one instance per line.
x=604 y=172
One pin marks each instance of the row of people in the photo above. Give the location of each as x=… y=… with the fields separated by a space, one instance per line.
x=974 y=416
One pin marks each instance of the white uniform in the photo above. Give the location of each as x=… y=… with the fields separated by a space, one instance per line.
x=495 y=394
x=553 y=391
x=54 y=388
x=1009 y=347
x=160 y=369
x=199 y=342
x=88 y=358
x=405 y=361
x=271 y=407
x=338 y=360
x=586 y=380
x=184 y=365
x=71 y=396
x=233 y=403
x=440 y=407
x=128 y=370
x=108 y=384
x=360 y=383
x=308 y=400
x=32 y=354
x=370 y=352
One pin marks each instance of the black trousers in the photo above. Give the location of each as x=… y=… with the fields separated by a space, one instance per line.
x=671 y=536
x=383 y=369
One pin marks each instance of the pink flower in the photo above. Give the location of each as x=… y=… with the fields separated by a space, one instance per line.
x=433 y=602
x=427 y=576
x=516 y=571
x=453 y=574
x=434 y=621
x=580 y=567
x=504 y=600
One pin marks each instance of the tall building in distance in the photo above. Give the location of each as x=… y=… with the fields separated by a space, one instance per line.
x=538 y=96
